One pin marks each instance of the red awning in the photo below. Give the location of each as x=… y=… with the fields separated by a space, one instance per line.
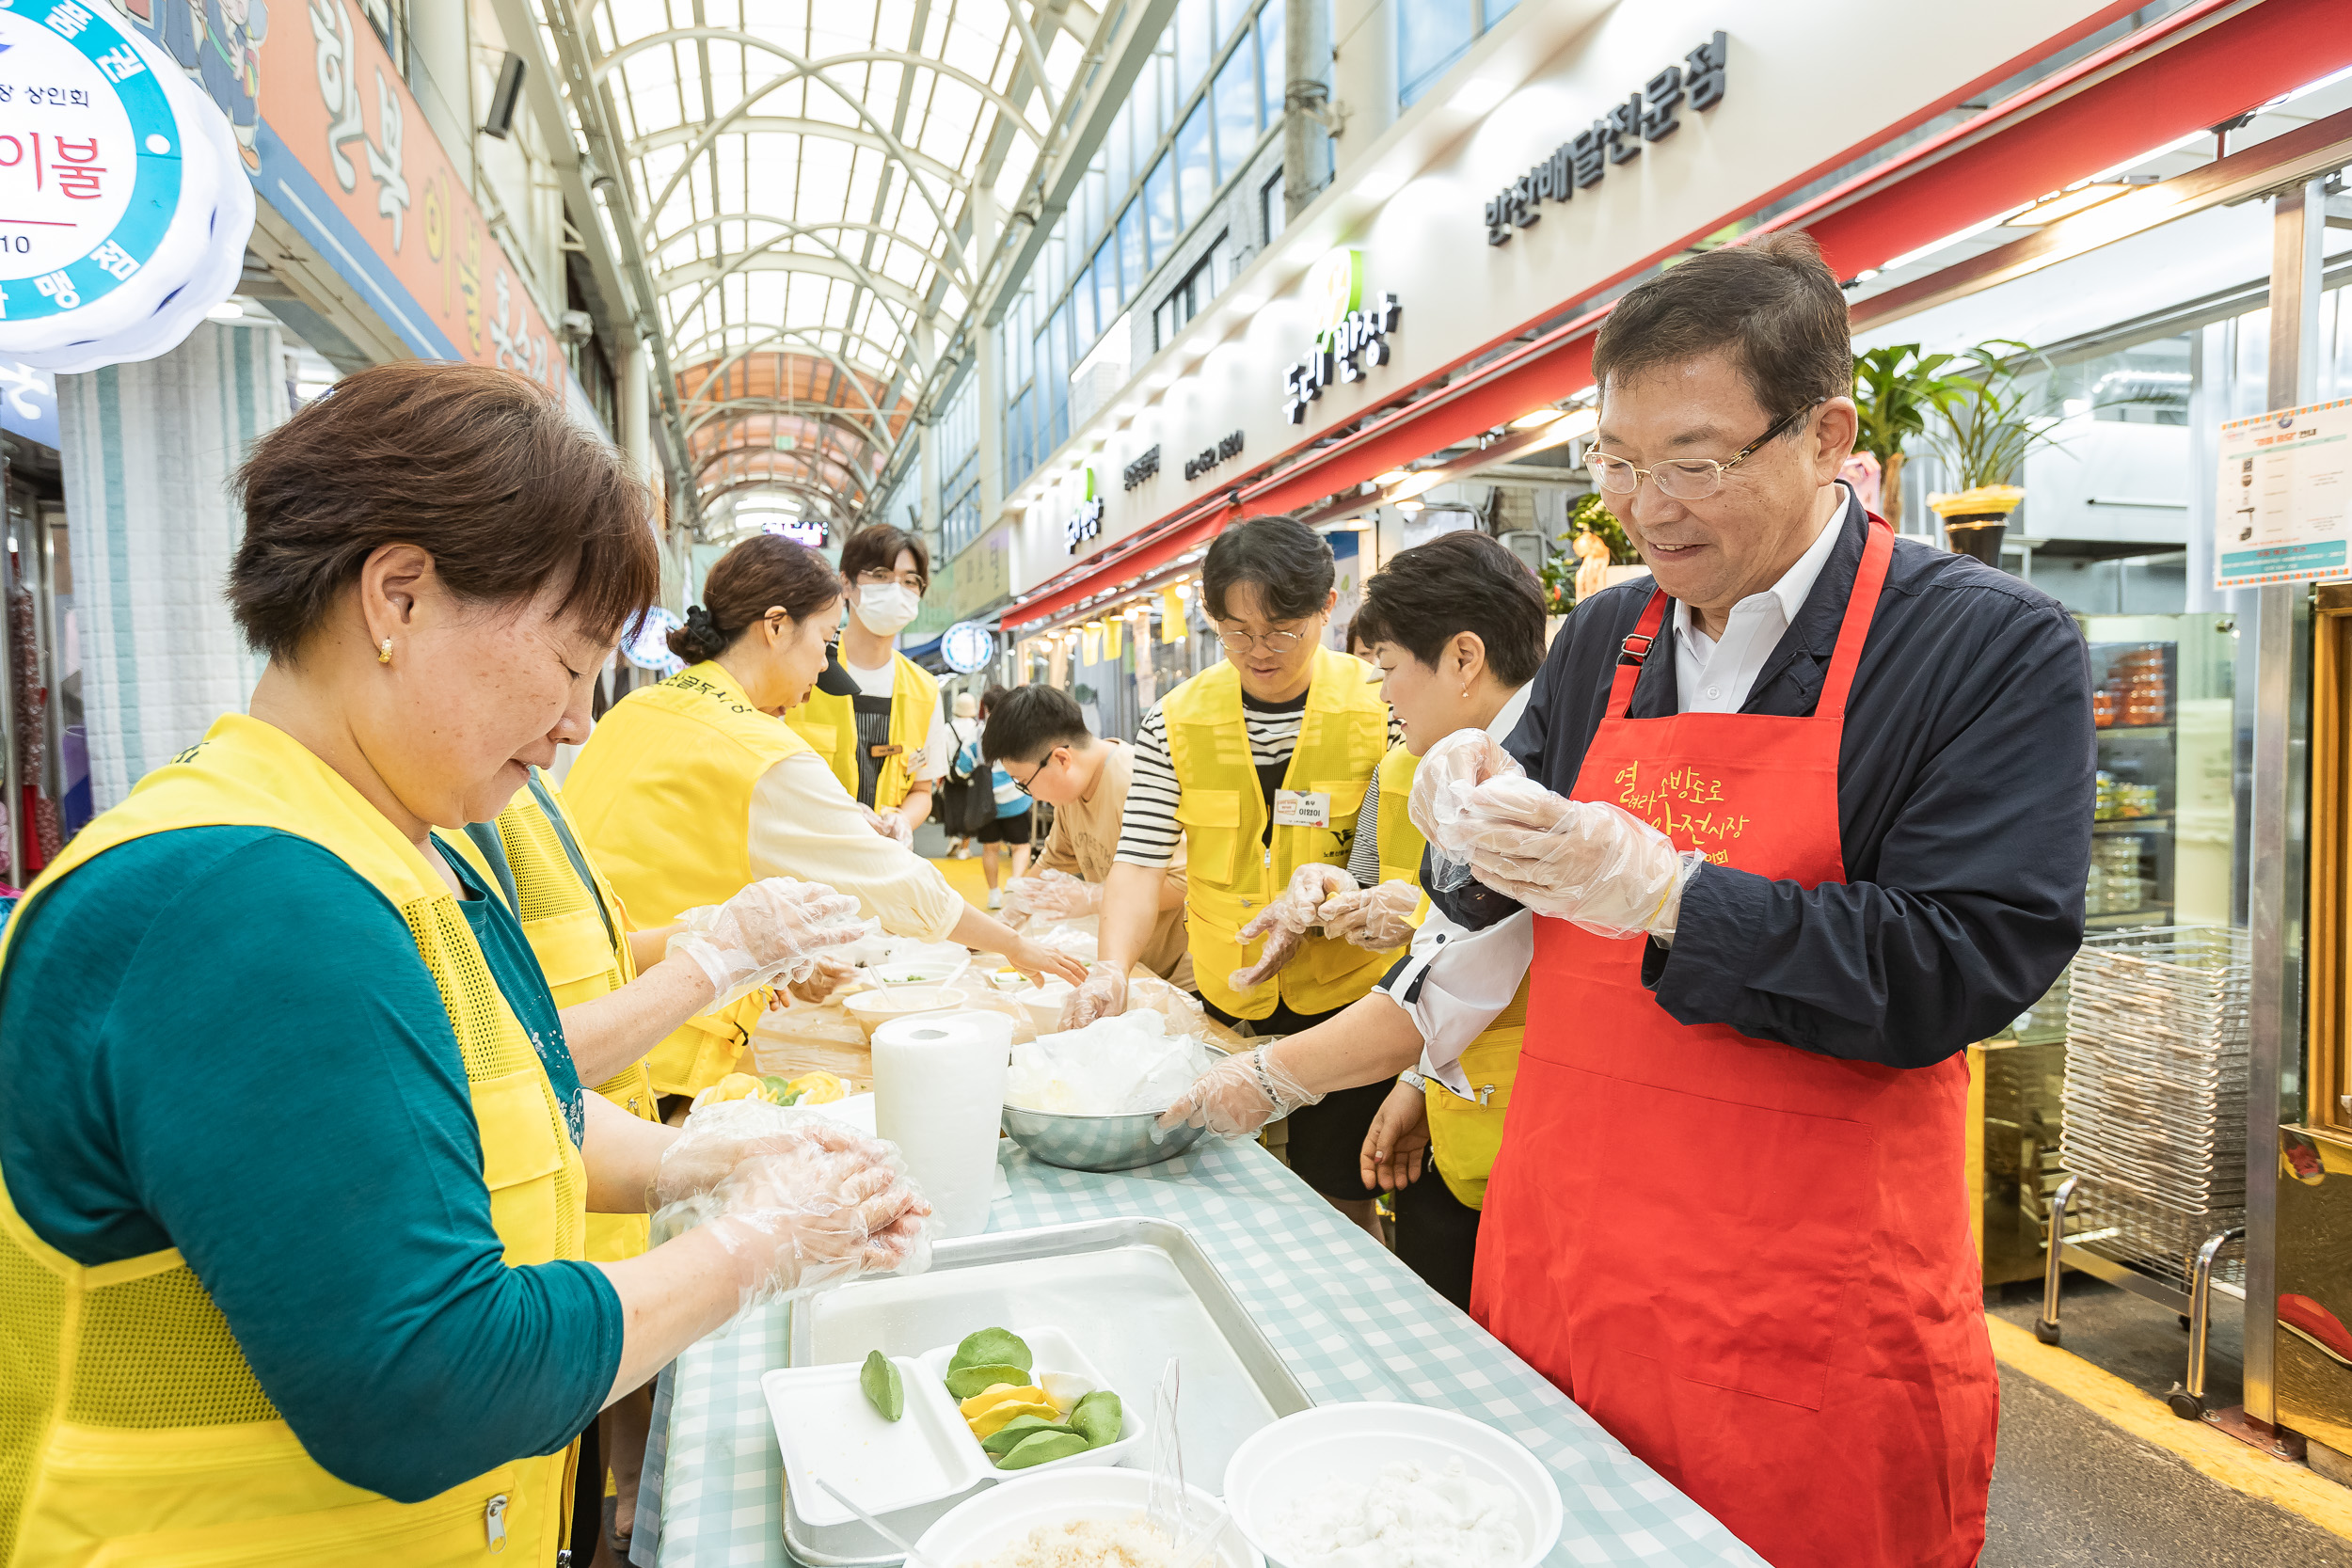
x=1190 y=530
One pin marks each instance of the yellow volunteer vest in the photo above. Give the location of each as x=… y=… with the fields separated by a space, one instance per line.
x=581 y=937
x=662 y=795
x=1229 y=873
x=131 y=1428
x=1464 y=1135
x=829 y=724
x=1401 y=842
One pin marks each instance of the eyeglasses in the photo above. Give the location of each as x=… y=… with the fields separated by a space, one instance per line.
x=1272 y=641
x=1684 y=478
x=1043 y=763
x=876 y=576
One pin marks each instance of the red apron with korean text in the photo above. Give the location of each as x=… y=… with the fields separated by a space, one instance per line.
x=1751 y=1264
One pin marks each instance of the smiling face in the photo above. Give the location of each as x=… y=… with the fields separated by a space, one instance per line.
x=1270 y=674
x=1431 y=701
x=1712 y=553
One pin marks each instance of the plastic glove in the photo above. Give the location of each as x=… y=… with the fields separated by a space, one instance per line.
x=771 y=930
x=1393 y=1149
x=1285 y=921
x=796 y=1200
x=1377 y=918
x=1450 y=772
x=889 y=824
x=830 y=975
x=1582 y=860
x=1041 y=963
x=1102 y=994
x=1053 y=895
x=1239 y=1095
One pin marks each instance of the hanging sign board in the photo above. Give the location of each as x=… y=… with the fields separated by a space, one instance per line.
x=123 y=207
x=2284 y=507
x=648 y=643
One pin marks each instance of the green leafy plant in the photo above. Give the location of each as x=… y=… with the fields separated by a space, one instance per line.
x=1589 y=515
x=1896 y=388
x=1986 y=430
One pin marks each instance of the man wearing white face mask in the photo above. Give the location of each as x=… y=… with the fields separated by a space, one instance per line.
x=874 y=716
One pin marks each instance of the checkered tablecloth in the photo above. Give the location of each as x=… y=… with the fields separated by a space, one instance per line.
x=1349 y=1320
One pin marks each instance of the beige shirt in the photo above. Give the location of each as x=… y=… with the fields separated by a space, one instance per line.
x=804 y=825
x=1085 y=840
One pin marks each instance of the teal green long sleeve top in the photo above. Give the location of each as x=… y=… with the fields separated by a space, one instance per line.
x=222 y=1040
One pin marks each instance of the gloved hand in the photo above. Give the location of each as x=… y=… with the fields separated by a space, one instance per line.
x=796 y=1200
x=1376 y=918
x=1582 y=860
x=1287 y=919
x=1448 y=774
x=771 y=930
x=830 y=975
x=1102 y=994
x=1052 y=896
x=1398 y=1138
x=1239 y=1095
x=889 y=824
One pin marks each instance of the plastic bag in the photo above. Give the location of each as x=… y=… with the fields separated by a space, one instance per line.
x=1124 y=1065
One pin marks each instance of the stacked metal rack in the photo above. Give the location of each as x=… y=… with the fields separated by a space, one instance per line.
x=2157 y=1031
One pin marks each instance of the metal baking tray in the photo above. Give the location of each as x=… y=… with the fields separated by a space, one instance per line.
x=1132 y=1291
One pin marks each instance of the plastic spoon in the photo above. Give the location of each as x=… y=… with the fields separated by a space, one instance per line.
x=914 y=1558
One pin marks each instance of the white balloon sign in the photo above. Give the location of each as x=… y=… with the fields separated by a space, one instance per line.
x=124 y=207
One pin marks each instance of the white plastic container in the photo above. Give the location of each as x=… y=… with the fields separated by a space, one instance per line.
x=986 y=1524
x=826 y=1426
x=1304 y=1453
x=1052 y=1351
x=939 y=1093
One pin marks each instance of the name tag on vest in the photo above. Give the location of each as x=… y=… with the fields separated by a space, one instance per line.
x=1302 y=808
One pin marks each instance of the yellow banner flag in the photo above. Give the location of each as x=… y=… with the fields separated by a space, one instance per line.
x=1114 y=638
x=1171 y=615
x=1090 y=644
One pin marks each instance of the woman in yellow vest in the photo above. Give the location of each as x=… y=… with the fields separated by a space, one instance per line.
x=1261 y=764
x=295 y=1165
x=1456 y=626
x=689 y=789
x=873 y=715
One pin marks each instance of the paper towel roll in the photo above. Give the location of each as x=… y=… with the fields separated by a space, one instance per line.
x=939 y=1094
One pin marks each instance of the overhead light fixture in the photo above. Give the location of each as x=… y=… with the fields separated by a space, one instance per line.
x=1477 y=97
x=1345 y=525
x=1408 y=508
x=1394 y=476
x=1428 y=478
x=1538 y=418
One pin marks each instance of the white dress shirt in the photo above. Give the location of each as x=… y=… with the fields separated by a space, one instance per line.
x=1715 y=674
x=1481 y=971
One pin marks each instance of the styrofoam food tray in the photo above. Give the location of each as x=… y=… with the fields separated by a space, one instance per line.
x=1051 y=1351
x=825 y=1424
x=1301 y=1454
x=995 y=1518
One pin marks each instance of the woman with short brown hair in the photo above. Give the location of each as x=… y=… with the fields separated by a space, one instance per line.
x=297 y=1162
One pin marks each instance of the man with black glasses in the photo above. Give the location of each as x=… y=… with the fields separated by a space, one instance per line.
x=1261 y=764
x=1800 y=817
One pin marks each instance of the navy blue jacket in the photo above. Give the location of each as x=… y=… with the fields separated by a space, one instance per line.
x=1964 y=797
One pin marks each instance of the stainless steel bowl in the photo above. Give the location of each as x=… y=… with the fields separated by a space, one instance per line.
x=1096 y=1143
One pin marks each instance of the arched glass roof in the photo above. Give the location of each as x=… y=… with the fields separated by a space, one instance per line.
x=802 y=176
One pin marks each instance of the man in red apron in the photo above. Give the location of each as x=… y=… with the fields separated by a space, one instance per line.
x=1802 y=818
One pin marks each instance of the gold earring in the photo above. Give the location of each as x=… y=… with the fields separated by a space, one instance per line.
x=384 y=653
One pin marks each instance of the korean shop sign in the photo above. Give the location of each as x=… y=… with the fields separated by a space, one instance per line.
x=1085 y=521
x=334 y=143
x=123 y=213
x=1651 y=115
x=1350 y=338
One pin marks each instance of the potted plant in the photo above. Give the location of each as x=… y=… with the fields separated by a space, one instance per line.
x=1986 y=432
x=1587 y=516
x=1894 y=390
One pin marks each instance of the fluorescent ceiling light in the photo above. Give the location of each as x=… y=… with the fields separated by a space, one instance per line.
x=1478 y=96
x=1408 y=507
x=2066 y=203
x=1952 y=239
x=2178 y=144
x=1393 y=476
x=1580 y=422
x=1345 y=525
x=1428 y=478
x=1539 y=417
